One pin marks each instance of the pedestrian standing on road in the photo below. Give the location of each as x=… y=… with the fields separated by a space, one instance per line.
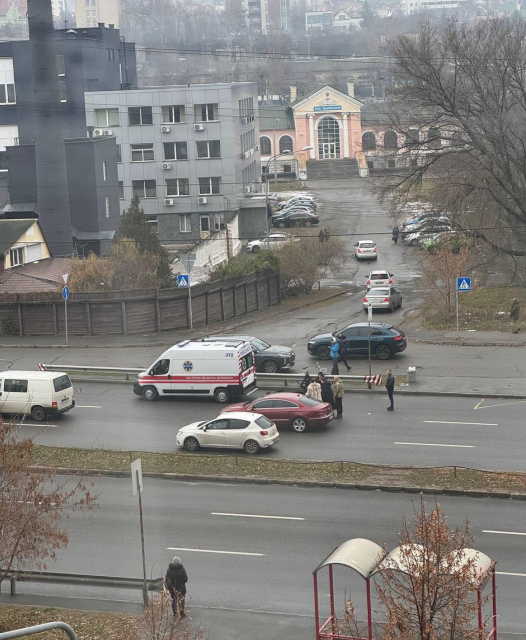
x=515 y=314
x=326 y=390
x=344 y=350
x=321 y=236
x=390 y=385
x=314 y=390
x=335 y=356
x=338 y=391
x=175 y=581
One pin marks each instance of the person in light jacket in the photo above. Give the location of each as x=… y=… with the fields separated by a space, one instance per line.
x=314 y=390
x=338 y=391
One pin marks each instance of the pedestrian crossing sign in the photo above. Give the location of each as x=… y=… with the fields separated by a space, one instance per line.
x=183 y=282
x=464 y=284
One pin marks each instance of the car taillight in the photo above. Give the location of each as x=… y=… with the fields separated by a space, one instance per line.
x=54 y=405
x=358 y=250
x=368 y=282
x=365 y=300
x=386 y=299
x=263 y=433
x=390 y=281
x=400 y=337
x=375 y=249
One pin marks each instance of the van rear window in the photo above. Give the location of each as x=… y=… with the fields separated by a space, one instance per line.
x=62 y=383
x=247 y=362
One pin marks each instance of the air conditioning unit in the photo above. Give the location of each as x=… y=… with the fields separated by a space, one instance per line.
x=169 y=202
x=166 y=165
x=248 y=189
x=107 y=132
x=202 y=200
x=252 y=118
x=244 y=120
x=98 y=132
x=165 y=129
x=199 y=127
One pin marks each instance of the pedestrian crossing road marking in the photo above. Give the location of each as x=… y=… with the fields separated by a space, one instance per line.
x=501 y=404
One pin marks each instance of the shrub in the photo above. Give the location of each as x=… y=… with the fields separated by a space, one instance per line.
x=10 y=326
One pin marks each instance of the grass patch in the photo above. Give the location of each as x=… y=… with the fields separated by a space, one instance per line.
x=486 y=309
x=293 y=185
x=88 y=625
x=241 y=466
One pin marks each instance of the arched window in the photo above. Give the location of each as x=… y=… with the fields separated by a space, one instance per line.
x=285 y=144
x=368 y=141
x=390 y=140
x=434 y=138
x=265 y=146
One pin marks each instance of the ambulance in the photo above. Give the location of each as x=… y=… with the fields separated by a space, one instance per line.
x=221 y=370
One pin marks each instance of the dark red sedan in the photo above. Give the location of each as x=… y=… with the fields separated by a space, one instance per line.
x=288 y=409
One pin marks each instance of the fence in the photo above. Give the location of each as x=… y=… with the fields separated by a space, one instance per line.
x=140 y=311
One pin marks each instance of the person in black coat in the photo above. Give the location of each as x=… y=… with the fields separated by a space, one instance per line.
x=327 y=394
x=175 y=581
x=390 y=385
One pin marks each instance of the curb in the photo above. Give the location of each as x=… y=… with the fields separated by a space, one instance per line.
x=182 y=477
x=464 y=343
x=171 y=342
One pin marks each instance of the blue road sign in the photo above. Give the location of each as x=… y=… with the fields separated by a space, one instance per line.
x=183 y=282
x=464 y=284
x=65 y=293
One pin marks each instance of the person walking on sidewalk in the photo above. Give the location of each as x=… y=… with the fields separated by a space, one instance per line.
x=175 y=581
x=338 y=391
x=390 y=385
x=515 y=314
x=344 y=350
x=314 y=390
x=335 y=356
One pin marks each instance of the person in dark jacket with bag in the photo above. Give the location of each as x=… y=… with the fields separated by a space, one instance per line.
x=326 y=390
x=344 y=351
x=390 y=385
x=175 y=581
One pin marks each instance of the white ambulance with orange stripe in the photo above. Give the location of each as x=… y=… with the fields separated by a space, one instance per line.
x=222 y=370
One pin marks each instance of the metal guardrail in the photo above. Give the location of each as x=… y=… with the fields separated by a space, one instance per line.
x=154 y=584
x=117 y=373
x=39 y=628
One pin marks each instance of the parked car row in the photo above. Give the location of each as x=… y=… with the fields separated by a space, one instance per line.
x=298 y=211
x=424 y=226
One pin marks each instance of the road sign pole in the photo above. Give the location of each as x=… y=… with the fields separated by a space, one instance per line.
x=144 y=584
x=190 y=315
x=66 y=317
x=456 y=304
x=369 y=315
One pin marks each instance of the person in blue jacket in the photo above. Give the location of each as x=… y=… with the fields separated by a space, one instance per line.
x=335 y=356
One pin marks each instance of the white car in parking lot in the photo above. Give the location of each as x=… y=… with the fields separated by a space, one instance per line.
x=237 y=430
x=382 y=298
x=365 y=250
x=276 y=241
x=382 y=278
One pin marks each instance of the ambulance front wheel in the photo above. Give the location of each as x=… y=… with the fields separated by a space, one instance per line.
x=150 y=393
x=222 y=395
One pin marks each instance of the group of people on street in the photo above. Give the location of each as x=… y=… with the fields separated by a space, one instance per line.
x=322 y=389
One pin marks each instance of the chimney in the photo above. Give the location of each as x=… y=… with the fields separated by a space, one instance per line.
x=100 y=25
x=111 y=26
x=350 y=89
x=293 y=94
x=50 y=151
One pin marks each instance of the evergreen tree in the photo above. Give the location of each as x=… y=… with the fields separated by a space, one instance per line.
x=135 y=226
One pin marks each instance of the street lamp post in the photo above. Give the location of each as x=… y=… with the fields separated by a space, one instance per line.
x=283 y=153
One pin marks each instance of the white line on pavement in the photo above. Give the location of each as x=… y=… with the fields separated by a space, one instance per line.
x=429 y=444
x=40 y=424
x=504 y=533
x=508 y=573
x=87 y=406
x=247 y=515
x=476 y=424
x=229 y=553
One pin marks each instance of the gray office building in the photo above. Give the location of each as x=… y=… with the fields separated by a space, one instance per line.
x=190 y=152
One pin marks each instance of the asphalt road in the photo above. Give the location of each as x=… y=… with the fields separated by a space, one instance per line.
x=259 y=564
x=422 y=430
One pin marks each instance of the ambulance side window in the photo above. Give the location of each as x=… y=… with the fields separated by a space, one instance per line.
x=161 y=367
x=247 y=362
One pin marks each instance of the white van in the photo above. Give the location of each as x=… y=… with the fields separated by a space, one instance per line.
x=219 y=369
x=39 y=393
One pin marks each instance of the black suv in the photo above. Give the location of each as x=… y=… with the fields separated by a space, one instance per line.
x=269 y=358
x=385 y=341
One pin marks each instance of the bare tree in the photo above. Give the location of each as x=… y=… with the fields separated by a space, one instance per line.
x=33 y=505
x=442 y=265
x=460 y=112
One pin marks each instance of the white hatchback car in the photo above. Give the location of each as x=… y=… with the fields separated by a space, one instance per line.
x=276 y=241
x=237 y=430
x=365 y=250
x=379 y=278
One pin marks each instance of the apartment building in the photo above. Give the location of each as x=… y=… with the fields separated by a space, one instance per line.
x=267 y=15
x=89 y=13
x=189 y=152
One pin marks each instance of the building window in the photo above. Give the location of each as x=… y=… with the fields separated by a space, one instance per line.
x=285 y=144
x=7 y=81
x=121 y=190
x=140 y=116
x=287 y=168
x=175 y=150
x=62 y=91
x=177 y=187
x=173 y=114
x=3 y=160
x=265 y=146
x=144 y=188
x=206 y=112
x=390 y=140
x=413 y=162
x=368 y=141
x=106 y=117
x=142 y=152
x=411 y=137
x=391 y=164
x=370 y=164
x=119 y=153
x=219 y=221
x=16 y=256
x=107 y=207
x=209 y=149
x=104 y=171
x=185 y=224
x=209 y=186
x=154 y=223
x=61 y=66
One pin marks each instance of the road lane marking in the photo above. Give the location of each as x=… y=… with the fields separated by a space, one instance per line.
x=509 y=573
x=477 y=424
x=247 y=515
x=87 y=406
x=228 y=553
x=429 y=444
x=39 y=424
x=501 y=404
x=504 y=533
